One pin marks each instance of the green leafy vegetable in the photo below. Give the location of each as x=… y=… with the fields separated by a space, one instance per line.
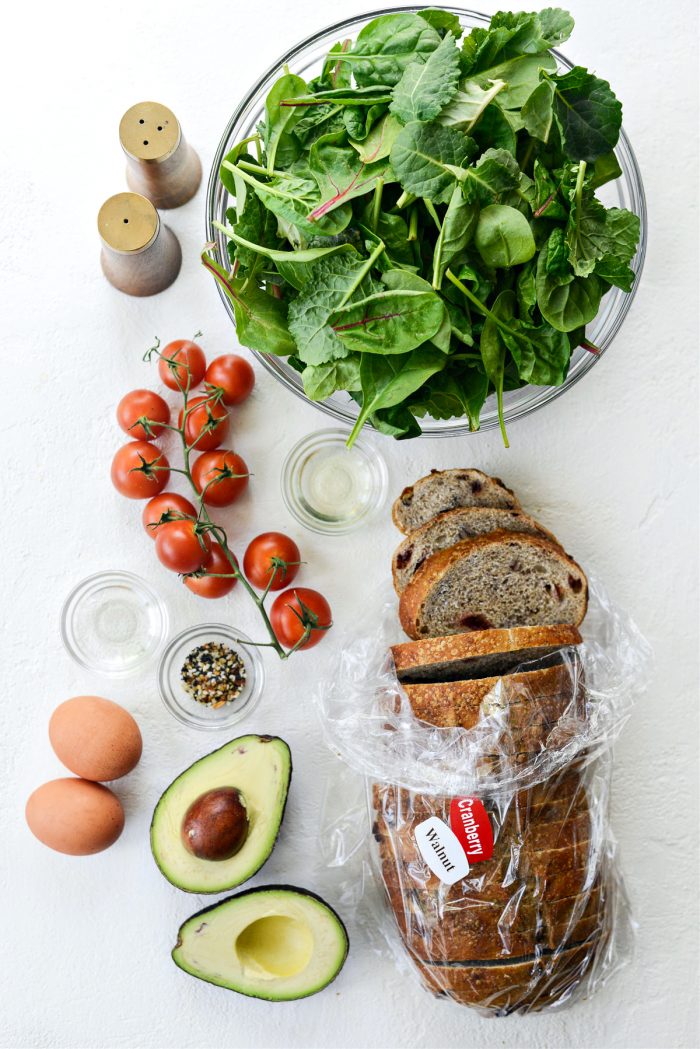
x=503 y=236
x=424 y=90
x=428 y=158
x=417 y=227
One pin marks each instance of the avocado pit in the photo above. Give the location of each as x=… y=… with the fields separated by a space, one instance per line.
x=215 y=825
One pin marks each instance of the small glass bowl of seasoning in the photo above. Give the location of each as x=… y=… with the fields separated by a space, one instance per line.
x=330 y=488
x=210 y=676
x=114 y=623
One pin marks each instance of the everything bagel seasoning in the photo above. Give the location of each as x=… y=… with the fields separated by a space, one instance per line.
x=213 y=674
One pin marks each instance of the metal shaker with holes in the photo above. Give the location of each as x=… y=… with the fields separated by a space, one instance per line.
x=161 y=164
x=140 y=254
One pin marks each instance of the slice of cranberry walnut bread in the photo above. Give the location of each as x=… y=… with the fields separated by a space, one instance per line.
x=451 y=527
x=496 y=580
x=445 y=490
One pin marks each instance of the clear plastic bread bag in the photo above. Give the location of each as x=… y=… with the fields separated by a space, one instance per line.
x=480 y=844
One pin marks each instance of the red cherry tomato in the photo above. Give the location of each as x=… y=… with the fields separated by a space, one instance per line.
x=288 y=618
x=180 y=548
x=141 y=404
x=190 y=364
x=140 y=470
x=261 y=558
x=207 y=423
x=168 y=505
x=210 y=586
x=225 y=474
x=234 y=375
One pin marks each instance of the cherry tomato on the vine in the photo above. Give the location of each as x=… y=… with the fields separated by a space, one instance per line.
x=233 y=374
x=211 y=586
x=141 y=404
x=293 y=609
x=169 y=505
x=223 y=474
x=180 y=547
x=207 y=423
x=262 y=557
x=186 y=355
x=140 y=470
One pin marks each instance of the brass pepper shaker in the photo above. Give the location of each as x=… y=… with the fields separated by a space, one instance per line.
x=140 y=254
x=161 y=164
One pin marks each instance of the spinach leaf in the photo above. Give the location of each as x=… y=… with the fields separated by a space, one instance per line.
x=378 y=142
x=279 y=120
x=469 y=102
x=538 y=111
x=541 y=353
x=341 y=175
x=424 y=90
x=449 y=394
x=587 y=112
x=397 y=280
x=427 y=159
x=567 y=304
x=387 y=381
x=261 y=319
x=495 y=173
x=521 y=76
x=442 y=20
x=456 y=231
x=503 y=236
x=321 y=380
x=398 y=422
x=493 y=348
x=387 y=45
x=358 y=122
x=388 y=322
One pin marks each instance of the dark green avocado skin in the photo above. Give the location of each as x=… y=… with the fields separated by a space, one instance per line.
x=253 y=892
x=264 y=736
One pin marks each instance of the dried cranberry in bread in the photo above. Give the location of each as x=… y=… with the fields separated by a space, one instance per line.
x=494 y=581
x=478 y=653
x=446 y=489
x=451 y=527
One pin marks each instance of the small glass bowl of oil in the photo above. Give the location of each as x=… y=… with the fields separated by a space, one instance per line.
x=331 y=488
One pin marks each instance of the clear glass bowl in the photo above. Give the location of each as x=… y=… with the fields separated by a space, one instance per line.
x=114 y=623
x=330 y=488
x=181 y=704
x=305 y=59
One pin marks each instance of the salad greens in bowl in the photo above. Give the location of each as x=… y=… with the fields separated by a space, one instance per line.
x=426 y=220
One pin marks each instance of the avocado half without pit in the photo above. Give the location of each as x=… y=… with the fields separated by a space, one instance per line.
x=279 y=943
x=217 y=823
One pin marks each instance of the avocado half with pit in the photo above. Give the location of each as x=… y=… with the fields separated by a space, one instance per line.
x=278 y=942
x=217 y=823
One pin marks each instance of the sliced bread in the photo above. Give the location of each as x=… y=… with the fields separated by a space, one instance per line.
x=494 y=581
x=479 y=654
x=451 y=527
x=446 y=489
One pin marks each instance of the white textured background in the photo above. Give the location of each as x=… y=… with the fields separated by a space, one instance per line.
x=84 y=943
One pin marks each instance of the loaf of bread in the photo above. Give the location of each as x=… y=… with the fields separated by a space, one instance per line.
x=450 y=527
x=494 y=581
x=498 y=931
x=446 y=489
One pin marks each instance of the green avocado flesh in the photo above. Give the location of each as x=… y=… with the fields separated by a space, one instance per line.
x=278 y=943
x=260 y=767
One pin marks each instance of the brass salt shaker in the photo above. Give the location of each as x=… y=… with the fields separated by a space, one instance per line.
x=161 y=165
x=140 y=254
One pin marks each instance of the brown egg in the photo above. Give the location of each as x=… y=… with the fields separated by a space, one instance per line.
x=75 y=816
x=95 y=738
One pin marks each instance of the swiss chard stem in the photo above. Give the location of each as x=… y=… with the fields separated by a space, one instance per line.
x=362 y=274
x=377 y=204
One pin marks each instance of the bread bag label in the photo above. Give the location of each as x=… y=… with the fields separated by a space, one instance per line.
x=441 y=850
x=471 y=826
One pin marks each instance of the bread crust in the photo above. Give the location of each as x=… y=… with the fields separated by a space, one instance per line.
x=528 y=526
x=509 y=986
x=508 y=499
x=472 y=644
x=430 y=573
